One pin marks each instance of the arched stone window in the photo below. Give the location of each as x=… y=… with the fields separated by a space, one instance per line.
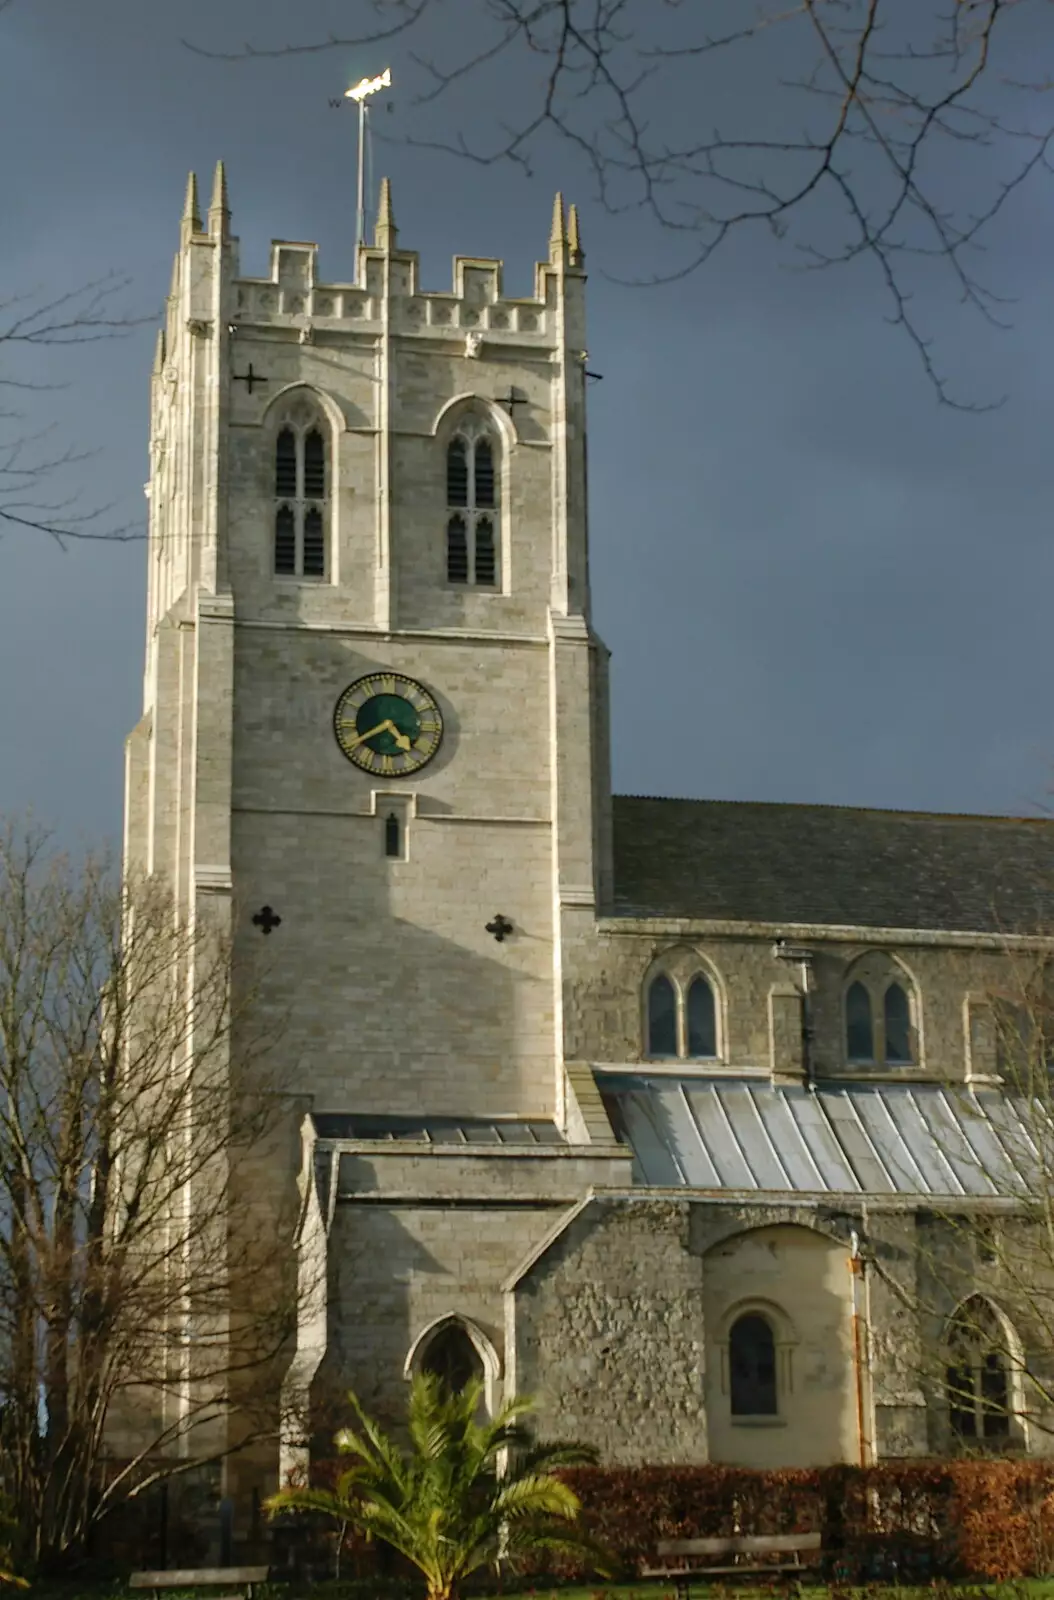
x=978 y=1374
x=681 y=1010
x=300 y=492
x=456 y=1350
x=701 y=1019
x=752 y=1367
x=662 y=1017
x=471 y=496
x=880 y=1014
x=896 y=1013
x=859 y=1034
x=452 y=1357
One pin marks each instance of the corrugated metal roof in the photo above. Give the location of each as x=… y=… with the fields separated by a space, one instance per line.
x=878 y=1139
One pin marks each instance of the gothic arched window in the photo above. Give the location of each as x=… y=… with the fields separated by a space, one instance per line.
x=859 y=1034
x=300 y=488
x=879 y=1013
x=897 y=1017
x=452 y=1357
x=681 y=1013
x=662 y=1017
x=752 y=1366
x=977 y=1375
x=471 y=494
x=701 y=1018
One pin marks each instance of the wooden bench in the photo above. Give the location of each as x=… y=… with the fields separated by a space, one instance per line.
x=242 y=1578
x=690 y=1560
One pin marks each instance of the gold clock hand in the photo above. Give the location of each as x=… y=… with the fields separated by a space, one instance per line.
x=387 y=726
x=382 y=727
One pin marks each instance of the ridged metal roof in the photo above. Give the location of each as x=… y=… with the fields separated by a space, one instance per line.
x=878 y=1139
x=346 y=1126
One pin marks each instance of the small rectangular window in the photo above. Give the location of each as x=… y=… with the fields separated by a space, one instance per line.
x=285 y=463
x=484 y=464
x=457 y=474
x=456 y=551
x=314 y=466
x=486 y=568
x=314 y=544
x=285 y=541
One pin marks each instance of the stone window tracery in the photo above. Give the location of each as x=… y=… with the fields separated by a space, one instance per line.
x=880 y=1014
x=300 y=493
x=456 y=1350
x=452 y=1357
x=681 y=1011
x=472 y=497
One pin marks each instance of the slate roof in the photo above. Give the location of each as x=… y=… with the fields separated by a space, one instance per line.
x=754 y=862
x=878 y=1139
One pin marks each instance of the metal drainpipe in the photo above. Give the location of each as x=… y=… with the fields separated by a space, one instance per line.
x=806 y=1026
x=856 y=1278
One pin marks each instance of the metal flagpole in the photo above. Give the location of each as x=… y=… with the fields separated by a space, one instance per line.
x=360 y=94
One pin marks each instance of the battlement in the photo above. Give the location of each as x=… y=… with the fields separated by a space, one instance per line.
x=475 y=304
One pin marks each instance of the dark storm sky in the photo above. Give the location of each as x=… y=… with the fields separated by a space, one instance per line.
x=818 y=584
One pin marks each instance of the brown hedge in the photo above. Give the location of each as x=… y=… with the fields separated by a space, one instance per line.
x=906 y=1522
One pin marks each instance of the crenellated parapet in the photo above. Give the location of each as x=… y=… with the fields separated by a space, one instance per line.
x=474 y=305
x=388 y=293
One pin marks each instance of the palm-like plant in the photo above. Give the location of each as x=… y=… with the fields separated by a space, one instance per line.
x=467 y=1493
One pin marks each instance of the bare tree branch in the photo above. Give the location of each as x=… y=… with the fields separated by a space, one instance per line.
x=898 y=98
x=28 y=468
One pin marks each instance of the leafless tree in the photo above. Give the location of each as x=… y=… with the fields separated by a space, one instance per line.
x=140 y=1310
x=886 y=131
x=977 y=1278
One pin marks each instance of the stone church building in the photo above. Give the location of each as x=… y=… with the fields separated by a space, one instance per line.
x=661 y=1110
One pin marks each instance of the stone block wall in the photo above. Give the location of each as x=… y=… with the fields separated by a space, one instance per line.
x=606 y=969
x=606 y=1329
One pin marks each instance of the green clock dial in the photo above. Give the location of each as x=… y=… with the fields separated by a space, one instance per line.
x=387 y=724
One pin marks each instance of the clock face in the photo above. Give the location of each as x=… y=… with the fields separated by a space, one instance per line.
x=387 y=724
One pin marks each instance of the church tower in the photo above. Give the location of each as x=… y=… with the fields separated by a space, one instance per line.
x=368 y=505
x=374 y=740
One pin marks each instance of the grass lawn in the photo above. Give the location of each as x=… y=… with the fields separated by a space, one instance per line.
x=1021 y=1589
x=657 y=1589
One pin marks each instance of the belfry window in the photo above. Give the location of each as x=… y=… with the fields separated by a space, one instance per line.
x=300 y=490
x=681 y=1017
x=472 y=498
